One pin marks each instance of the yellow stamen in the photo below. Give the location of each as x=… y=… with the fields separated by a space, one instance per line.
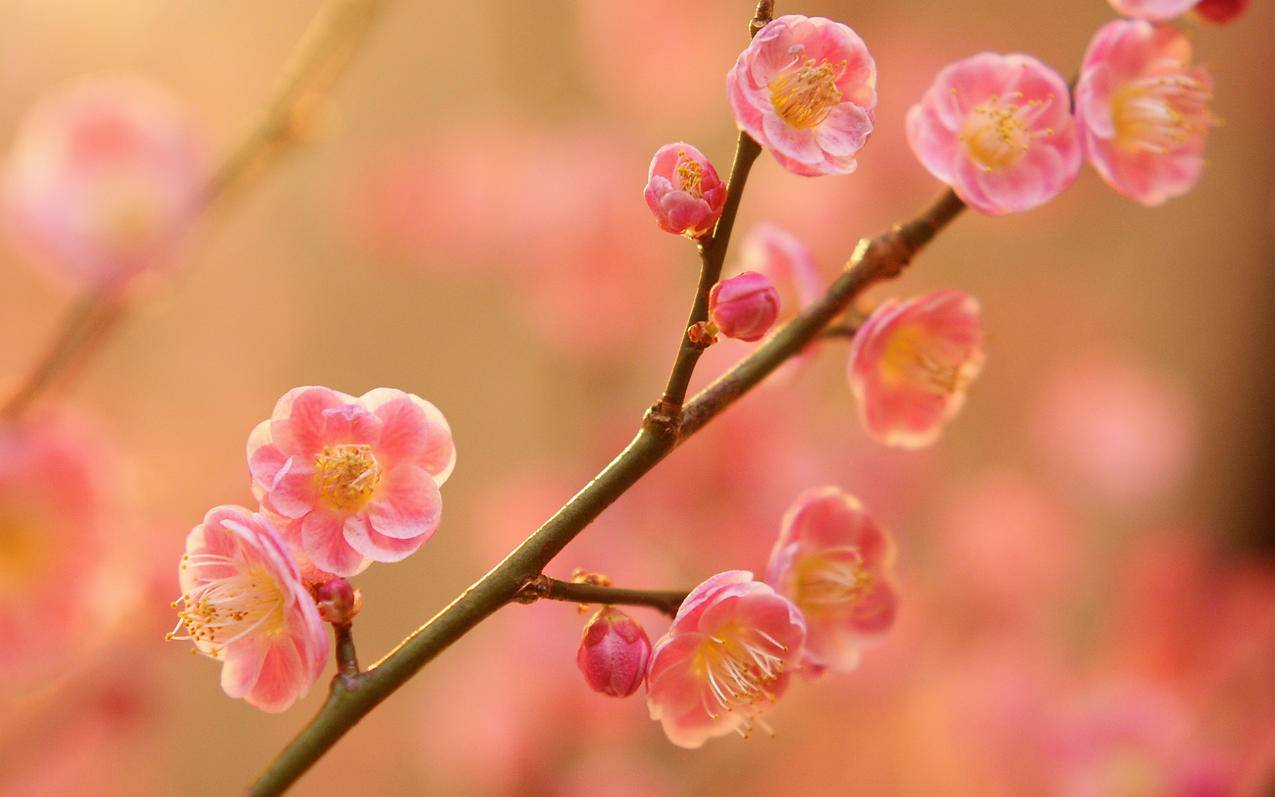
x=804 y=93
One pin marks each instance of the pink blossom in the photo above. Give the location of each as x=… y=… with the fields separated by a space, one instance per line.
x=243 y=603
x=1221 y=11
x=725 y=660
x=55 y=524
x=337 y=600
x=1143 y=110
x=835 y=562
x=103 y=179
x=805 y=89
x=684 y=191
x=911 y=363
x=1152 y=9
x=353 y=480
x=998 y=129
x=744 y=306
x=786 y=260
x=613 y=654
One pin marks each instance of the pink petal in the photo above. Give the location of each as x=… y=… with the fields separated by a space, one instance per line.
x=323 y=540
x=378 y=547
x=407 y=505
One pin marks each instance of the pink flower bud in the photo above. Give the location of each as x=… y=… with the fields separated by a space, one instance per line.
x=1221 y=11
x=744 y=306
x=338 y=602
x=614 y=652
x=684 y=191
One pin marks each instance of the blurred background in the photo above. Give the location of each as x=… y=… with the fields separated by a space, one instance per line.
x=1088 y=588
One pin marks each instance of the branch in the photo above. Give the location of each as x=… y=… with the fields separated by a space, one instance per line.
x=347 y=659
x=543 y=587
x=876 y=259
x=317 y=62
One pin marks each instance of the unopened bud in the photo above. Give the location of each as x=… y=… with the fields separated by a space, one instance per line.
x=744 y=306
x=614 y=653
x=338 y=602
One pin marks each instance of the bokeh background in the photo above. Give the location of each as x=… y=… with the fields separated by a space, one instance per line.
x=1085 y=558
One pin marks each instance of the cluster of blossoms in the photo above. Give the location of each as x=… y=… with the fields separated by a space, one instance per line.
x=342 y=482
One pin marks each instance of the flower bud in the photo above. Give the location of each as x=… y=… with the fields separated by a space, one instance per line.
x=1221 y=11
x=338 y=602
x=684 y=191
x=614 y=652
x=744 y=306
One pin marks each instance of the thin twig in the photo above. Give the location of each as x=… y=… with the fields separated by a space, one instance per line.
x=317 y=62
x=543 y=587
x=347 y=658
x=876 y=259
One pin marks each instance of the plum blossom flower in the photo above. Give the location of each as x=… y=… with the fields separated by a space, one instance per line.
x=103 y=179
x=910 y=365
x=55 y=510
x=744 y=306
x=613 y=654
x=684 y=191
x=805 y=89
x=1157 y=10
x=786 y=260
x=1221 y=11
x=352 y=480
x=243 y=603
x=998 y=129
x=835 y=563
x=725 y=660
x=1143 y=111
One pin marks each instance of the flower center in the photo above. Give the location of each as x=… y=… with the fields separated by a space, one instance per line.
x=1160 y=113
x=690 y=176
x=804 y=93
x=224 y=610
x=833 y=579
x=740 y=665
x=913 y=356
x=347 y=475
x=22 y=553
x=998 y=132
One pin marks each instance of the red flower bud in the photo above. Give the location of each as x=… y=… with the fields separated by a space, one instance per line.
x=614 y=652
x=744 y=306
x=338 y=602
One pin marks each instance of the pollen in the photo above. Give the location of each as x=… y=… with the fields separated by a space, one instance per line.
x=226 y=609
x=804 y=93
x=1000 y=131
x=916 y=357
x=347 y=475
x=740 y=667
x=836 y=578
x=690 y=176
x=1161 y=113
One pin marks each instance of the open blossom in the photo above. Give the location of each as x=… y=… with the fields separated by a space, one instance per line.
x=910 y=365
x=786 y=260
x=744 y=306
x=725 y=660
x=243 y=603
x=613 y=654
x=55 y=524
x=805 y=89
x=684 y=191
x=103 y=180
x=998 y=129
x=1153 y=9
x=834 y=562
x=352 y=480
x=1143 y=110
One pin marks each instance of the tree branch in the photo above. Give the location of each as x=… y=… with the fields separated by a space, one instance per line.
x=317 y=62
x=543 y=587
x=347 y=659
x=876 y=259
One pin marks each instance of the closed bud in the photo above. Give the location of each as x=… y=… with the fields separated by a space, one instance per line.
x=744 y=306
x=614 y=652
x=338 y=602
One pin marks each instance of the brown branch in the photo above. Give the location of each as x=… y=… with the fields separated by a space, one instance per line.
x=347 y=658
x=317 y=62
x=879 y=258
x=543 y=587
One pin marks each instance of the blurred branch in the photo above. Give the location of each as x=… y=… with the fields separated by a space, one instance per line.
x=318 y=61
x=543 y=587
x=874 y=259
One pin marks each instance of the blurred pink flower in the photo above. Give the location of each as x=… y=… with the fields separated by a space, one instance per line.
x=786 y=260
x=103 y=180
x=1221 y=11
x=911 y=363
x=1143 y=111
x=613 y=654
x=805 y=89
x=1113 y=428
x=743 y=307
x=355 y=480
x=55 y=522
x=1152 y=9
x=998 y=129
x=243 y=603
x=725 y=660
x=836 y=564
x=684 y=191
